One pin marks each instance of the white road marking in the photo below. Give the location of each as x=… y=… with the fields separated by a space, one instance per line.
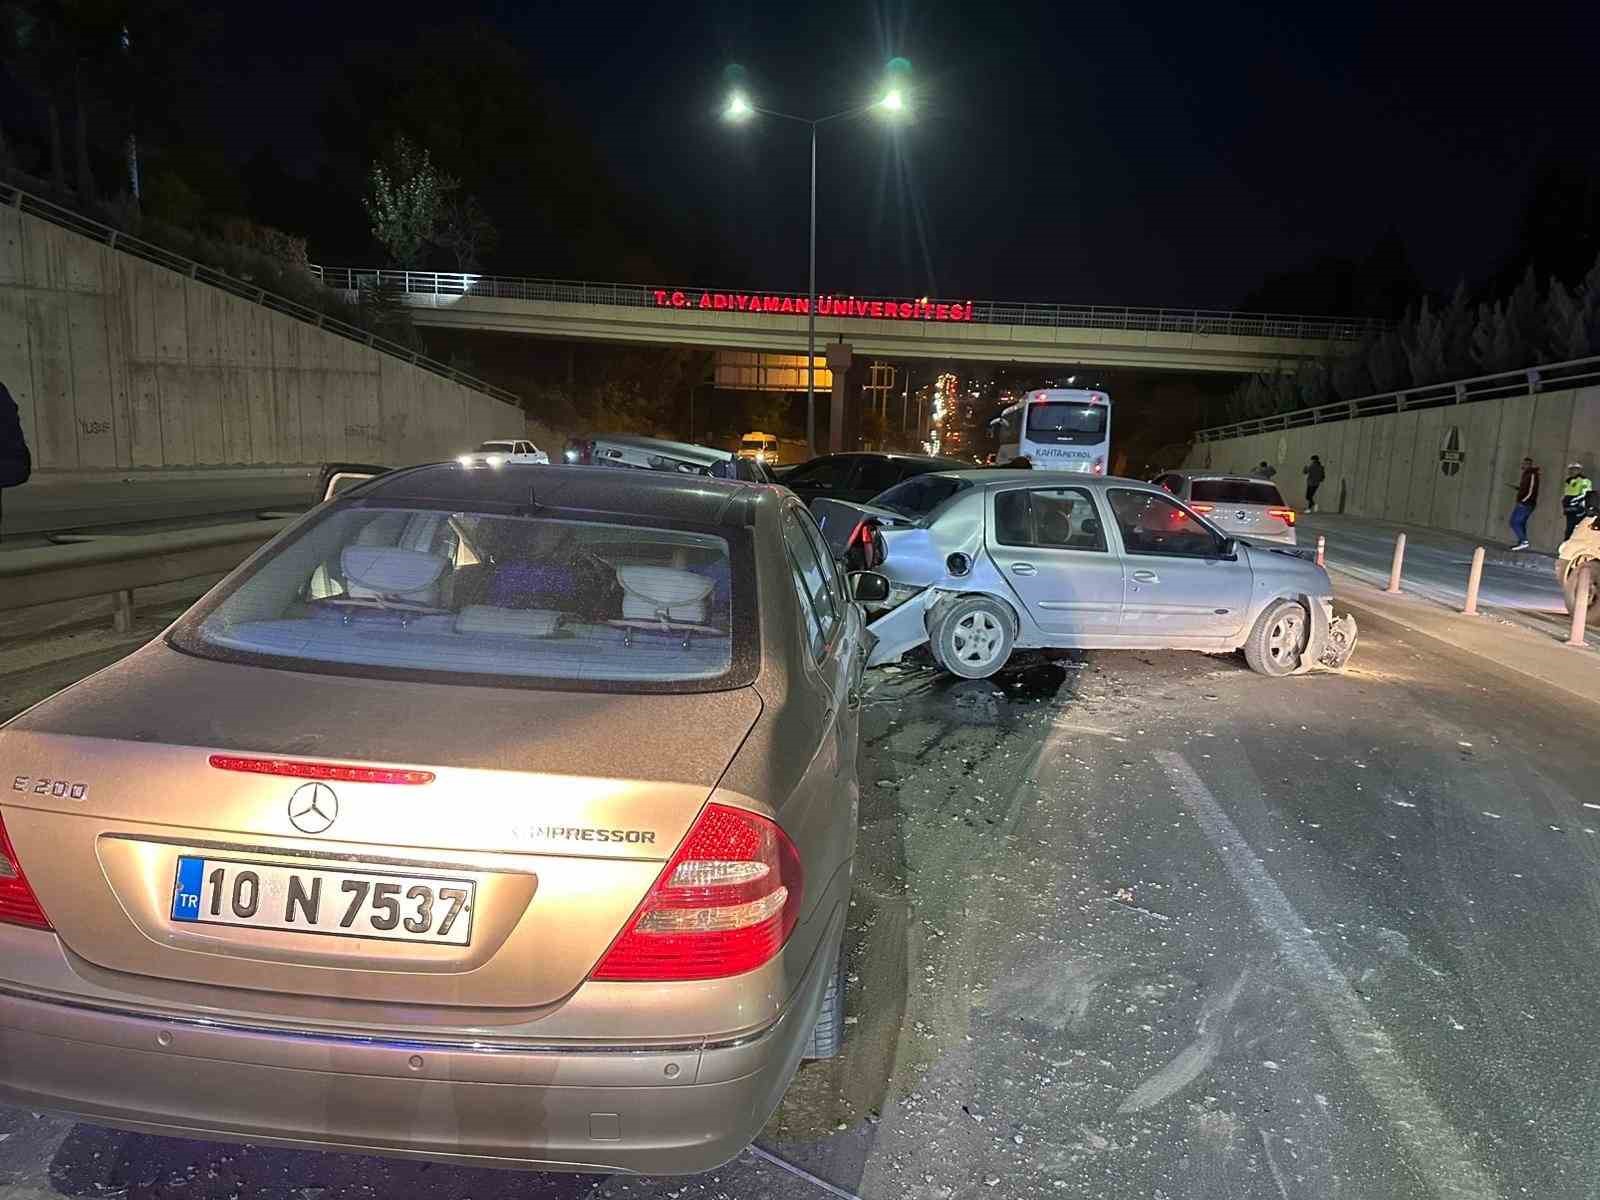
x=1436 y=1150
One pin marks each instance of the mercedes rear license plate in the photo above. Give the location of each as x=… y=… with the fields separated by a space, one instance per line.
x=396 y=908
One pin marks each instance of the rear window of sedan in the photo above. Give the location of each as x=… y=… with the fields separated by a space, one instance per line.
x=1235 y=491
x=920 y=495
x=588 y=601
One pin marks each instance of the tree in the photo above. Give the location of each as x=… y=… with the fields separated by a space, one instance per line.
x=466 y=231
x=406 y=201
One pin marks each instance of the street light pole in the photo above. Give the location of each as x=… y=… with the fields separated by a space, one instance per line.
x=894 y=102
x=811 y=312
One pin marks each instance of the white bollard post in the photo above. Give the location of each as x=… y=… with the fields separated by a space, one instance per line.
x=1580 y=606
x=1399 y=560
x=1322 y=549
x=1474 y=578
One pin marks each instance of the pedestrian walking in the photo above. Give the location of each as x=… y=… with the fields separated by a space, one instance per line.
x=1527 y=500
x=1314 y=476
x=1265 y=470
x=1575 y=496
x=16 y=464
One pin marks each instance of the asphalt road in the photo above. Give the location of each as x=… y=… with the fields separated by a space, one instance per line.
x=1144 y=925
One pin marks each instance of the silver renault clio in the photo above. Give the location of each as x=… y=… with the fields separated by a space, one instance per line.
x=981 y=563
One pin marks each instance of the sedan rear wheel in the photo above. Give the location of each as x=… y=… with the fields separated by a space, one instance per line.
x=1278 y=639
x=973 y=639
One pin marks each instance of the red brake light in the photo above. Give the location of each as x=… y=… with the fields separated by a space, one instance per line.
x=1286 y=515
x=18 y=904
x=1202 y=509
x=725 y=904
x=334 y=772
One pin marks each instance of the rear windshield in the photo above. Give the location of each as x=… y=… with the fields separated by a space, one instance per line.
x=757 y=443
x=478 y=597
x=920 y=495
x=1235 y=491
x=1063 y=421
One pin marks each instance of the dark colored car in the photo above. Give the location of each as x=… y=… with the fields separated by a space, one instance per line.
x=860 y=476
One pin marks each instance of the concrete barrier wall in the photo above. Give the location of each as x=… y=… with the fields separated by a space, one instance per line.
x=117 y=363
x=1389 y=467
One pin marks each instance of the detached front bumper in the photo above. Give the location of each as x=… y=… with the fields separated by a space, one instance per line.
x=1332 y=639
x=673 y=1110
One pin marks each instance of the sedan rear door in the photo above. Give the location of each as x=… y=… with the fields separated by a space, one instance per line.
x=1049 y=544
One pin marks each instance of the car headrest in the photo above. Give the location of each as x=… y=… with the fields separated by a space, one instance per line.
x=390 y=571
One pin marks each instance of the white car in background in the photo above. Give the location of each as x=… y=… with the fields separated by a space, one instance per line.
x=1242 y=506
x=506 y=450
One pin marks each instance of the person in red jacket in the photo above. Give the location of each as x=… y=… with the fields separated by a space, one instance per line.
x=1527 y=501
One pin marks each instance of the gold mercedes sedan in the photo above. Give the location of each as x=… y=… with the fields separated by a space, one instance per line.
x=493 y=815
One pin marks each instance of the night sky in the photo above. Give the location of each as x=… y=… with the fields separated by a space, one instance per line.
x=1153 y=153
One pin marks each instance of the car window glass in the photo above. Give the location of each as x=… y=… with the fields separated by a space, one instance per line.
x=815 y=581
x=819 y=546
x=821 y=473
x=1065 y=518
x=876 y=475
x=1011 y=518
x=1154 y=524
x=808 y=611
x=617 y=603
x=920 y=494
x=1236 y=491
x=1060 y=518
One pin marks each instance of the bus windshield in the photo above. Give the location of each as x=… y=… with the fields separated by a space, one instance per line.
x=1065 y=421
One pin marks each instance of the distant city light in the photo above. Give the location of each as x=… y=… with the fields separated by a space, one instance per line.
x=738 y=107
x=894 y=100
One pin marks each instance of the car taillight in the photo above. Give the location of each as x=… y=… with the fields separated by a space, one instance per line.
x=18 y=904
x=865 y=537
x=1202 y=509
x=1098 y=467
x=725 y=904
x=1286 y=515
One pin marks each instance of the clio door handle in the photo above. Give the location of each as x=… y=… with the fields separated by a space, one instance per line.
x=1146 y=577
x=1022 y=568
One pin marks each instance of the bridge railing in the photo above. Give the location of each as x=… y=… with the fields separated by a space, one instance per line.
x=1549 y=377
x=454 y=284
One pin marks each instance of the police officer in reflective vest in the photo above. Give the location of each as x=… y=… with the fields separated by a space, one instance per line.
x=1575 y=496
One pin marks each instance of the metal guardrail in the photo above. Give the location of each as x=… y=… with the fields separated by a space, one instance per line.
x=1577 y=372
x=990 y=312
x=16 y=198
x=114 y=565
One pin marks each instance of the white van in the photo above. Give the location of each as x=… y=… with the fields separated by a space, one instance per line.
x=763 y=447
x=1057 y=429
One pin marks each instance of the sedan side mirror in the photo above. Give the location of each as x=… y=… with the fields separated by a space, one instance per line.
x=1230 y=549
x=869 y=587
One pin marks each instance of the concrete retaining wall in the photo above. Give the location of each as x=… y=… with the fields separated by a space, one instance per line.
x=1389 y=467
x=117 y=363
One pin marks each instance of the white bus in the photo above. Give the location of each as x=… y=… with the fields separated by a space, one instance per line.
x=1057 y=429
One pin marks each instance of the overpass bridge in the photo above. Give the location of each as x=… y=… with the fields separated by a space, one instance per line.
x=1180 y=339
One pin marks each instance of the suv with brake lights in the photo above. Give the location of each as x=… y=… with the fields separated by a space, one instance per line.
x=500 y=816
x=1241 y=506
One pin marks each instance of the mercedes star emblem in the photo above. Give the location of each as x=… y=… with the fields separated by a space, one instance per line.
x=313 y=808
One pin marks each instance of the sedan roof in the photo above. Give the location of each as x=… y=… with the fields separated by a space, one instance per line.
x=695 y=499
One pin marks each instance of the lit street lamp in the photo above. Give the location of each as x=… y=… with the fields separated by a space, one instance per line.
x=893 y=102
